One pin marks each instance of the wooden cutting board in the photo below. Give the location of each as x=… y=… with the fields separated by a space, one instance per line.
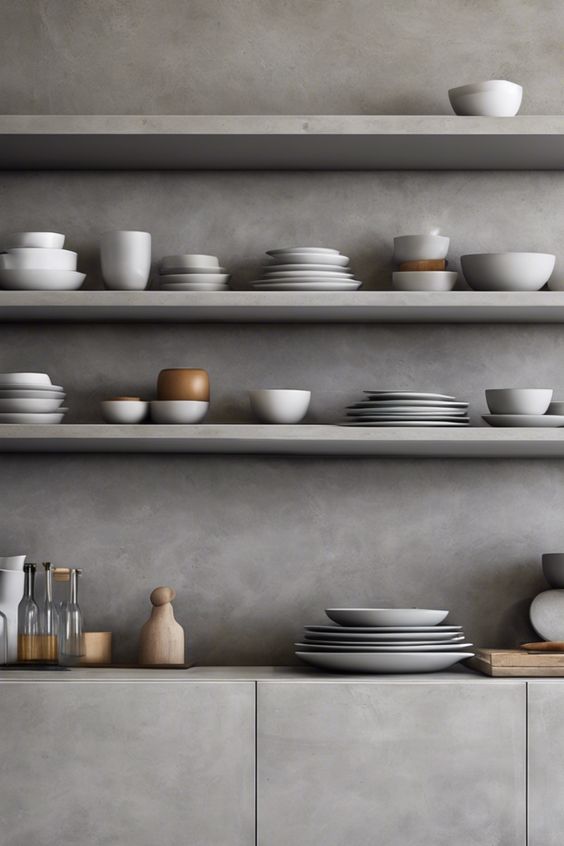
x=517 y=663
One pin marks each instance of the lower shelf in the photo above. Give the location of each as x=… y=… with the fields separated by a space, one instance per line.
x=256 y=439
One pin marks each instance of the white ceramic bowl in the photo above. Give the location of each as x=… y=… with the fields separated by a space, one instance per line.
x=518 y=400
x=552 y=568
x=493 y=98
x=280 y=406
x=189 y=271
x=41 y=280
x=190 y=278
x=18 y=380
x=507 y=271
x=386 y=616
x=27 y=258
x=312 y=258
x=420 y=247
x=283 y=250
x=12 y=562
x=424 y=280
x=556 y=407
x=124 y=411
x=190 y=261
x=30 y=406
x=178 y=411
x=38 y=240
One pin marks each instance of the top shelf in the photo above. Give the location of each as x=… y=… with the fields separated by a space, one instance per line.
x=280 y=142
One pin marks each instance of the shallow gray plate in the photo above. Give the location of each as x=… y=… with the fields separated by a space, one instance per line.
x=371 y=662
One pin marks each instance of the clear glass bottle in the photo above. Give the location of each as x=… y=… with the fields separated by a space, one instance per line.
x=49 y=619
x=71 y=643
x=28 y=619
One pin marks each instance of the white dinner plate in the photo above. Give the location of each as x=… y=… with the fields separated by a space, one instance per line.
x=409 y=395
x=17 y=393
x=384 y=629
x=324 y=268
x=311 y=285
x=411 y=403
x=33 y=418
x=407 y=409
x=370 y=662
x=402 y=423
x=44 y=389
x=313 y=258
x=550 y=421
x=41 y=280
x=277 y=252
x=307 y=274
x=357 y=647
x=384 y=636
x=33 y=406
x=195 y=286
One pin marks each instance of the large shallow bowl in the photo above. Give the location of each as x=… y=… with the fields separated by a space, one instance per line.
x=493 y=98
x=386 y=616
x=16 y=417
x=178 y=412
x=30 y=406
x=518 y=400
x=507 y=271
x=41 y=280
x=420 y=247
x=424 y=280
x=19 y=380
x=38 y=240
x=280 y=406
x=383 y=637
x=374 y=662
x=27 y=258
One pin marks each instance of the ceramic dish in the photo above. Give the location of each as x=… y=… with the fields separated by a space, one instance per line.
x=547 y=615
x=41 y=280
x=426 y=419
x=183 y=278
x=28 y=258
x=492 y=98
x=183 y=383
x=11 y=380
x=178 y=412
x=196 y=286
x=386 y=616
x=30 y=406
x=189 y=261
x=383 y=638
x=507 y=271
x=19 y=393
x=357 y=647
x=327 y=285
x=332 y=629
x=402 y=423
x=124 y=410
x=33 y=418
x=527 y=421
x=411 y=403
x=12 y=562
x=307 y=274
x=280 y=406
x=420 y=247
x=314 y=258
x=283 y=250
x=324 y=268
x=403 y=395
x=414 y=662
x=374 y=411
x=424 y=280
x=42 y=240
x=553 y=569
x=518 y=400
x=187 y=272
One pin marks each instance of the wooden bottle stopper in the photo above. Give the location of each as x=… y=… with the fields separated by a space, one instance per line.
x=162 y=639
x=424 y=264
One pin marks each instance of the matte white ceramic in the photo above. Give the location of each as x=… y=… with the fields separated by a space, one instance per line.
x=403 y=423
x=493 y=98
x=407 y=662
x=12 y=562
x=507 y=271
x=38 y=240
x=556 y=407
x=333 y=629
x=420 y=247
x=188 y=271
x=13 y=417
x=30 y=406
x=552 y=567
x=390 y=419
x=383 y=637
x=374 y=411
x=547 y=614
x=324 y=268
x=313 y=258
x=518 y=400
x=189 y=261
x=11 y=592
x=183 y=278
x=409 y=402
x=307 y=274
x=280 y=406
x=21 y=379
x=124 y=411
x=178 y=411
x=284 y=250
x=41 y=280
x=527 y=421
x=18 y=393
x=28 y=258
x=418 y=647
x=196 y=286
x=424 y=280
x=310 y=285
x=386 y=616
x=126 y=260
x=403 y=395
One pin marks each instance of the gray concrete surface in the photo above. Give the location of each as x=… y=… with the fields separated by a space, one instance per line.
x=546 y=748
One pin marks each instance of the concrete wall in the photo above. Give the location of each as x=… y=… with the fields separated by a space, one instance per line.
x=258 y=546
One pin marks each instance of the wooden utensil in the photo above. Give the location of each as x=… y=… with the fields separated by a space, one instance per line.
x=162 y=638
x=544 y=646
x=424 y=264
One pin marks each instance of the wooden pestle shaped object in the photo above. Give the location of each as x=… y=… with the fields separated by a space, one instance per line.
x=162 y=639
x=544 y=646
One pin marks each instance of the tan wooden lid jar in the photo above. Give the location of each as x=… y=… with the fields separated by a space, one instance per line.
x=183 y=383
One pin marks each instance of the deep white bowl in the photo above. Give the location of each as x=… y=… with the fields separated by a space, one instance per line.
x=420 y=247
x=189 y=261
x=28 y=258
x=7 y=380
x=493 y=98
x=38 y=240
x=124 y=411
x=386 y=616
x=41 y=280
x=424 y=280
x=178 y=411
x=280 y=406
x=518 y=400
x=507 y=271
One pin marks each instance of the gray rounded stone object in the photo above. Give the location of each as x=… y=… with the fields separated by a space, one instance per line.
x=547 y=615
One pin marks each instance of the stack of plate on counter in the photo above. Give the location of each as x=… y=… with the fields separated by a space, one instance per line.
x=407 y=408
x=30 y=398
x=191 y=272
x=384 y=640
x=307 y=269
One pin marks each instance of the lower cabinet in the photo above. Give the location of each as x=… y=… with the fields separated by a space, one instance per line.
x=392 y=764
x=546 y=763
x=127 y=764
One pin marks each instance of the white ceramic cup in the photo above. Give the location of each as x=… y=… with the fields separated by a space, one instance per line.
x=126 y=259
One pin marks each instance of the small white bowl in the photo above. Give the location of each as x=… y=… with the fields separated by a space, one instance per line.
x=507 y=271
x=189 y=261
x=38 y=240
x=420 y=247
x=556 y=407
x=21 y=379
x=28 y=258
x=280 y=406
x=124 y=411
x=493 y=98
x=178 y=411
x=424 y=280
x=518 y=400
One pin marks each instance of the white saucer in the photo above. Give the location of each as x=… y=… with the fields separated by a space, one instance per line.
x=325 y=268
x=34 y=418
x=526 y=421
x=311 y=285
x=399 y=423
x=408 y=395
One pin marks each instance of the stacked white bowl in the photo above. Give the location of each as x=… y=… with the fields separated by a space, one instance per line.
x=523 y=407
x=30 y=398
x=192 y=272
x=307 y=269
x=36 y=261
x=422 y=263
x=384 y=640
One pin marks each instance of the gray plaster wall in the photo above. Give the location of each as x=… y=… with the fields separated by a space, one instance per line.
x=256 y=547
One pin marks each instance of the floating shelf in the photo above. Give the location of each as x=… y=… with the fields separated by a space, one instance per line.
x=283 y=307
x=256 y=439
x=280 y=142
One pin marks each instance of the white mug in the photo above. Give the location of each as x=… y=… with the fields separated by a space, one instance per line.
x=126 y=259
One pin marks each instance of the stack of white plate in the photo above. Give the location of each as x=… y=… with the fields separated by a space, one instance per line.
x=192 y=273
x=384 y=640
x=307 y=269
x=407 y=408
x=35 y=261
x=30 y=398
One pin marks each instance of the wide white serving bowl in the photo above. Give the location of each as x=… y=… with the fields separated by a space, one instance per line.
x=38 y=240
x=552 y=568
x=424 y=280
x=280 y=406
x=124 y=411
x=8 y=380
x=41 y=280
x=493 y=98
x=189 y=261
x=386 y=616
x=28 y=258
x=507 y=271
x=420 y=247
x=518 y=400
x=178 y=411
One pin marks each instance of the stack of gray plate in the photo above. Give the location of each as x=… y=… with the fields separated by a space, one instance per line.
x=30 y=398
x=307 y=269
x=384 y=640
x=407 y=408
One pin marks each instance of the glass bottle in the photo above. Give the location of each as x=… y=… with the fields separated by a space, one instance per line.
x=49 y=619
x=71 y=646
x=28 y=619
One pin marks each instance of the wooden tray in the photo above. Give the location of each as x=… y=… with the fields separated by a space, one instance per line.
x=516 y=663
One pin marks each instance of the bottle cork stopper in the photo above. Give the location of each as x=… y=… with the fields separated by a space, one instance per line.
x=162 y=595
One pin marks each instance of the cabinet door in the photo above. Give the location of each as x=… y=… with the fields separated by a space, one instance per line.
x=127 y=764
x=392 y=764
x=546 y=763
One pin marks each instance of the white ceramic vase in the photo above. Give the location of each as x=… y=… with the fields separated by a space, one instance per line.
x=126 y=260
x=11 y=592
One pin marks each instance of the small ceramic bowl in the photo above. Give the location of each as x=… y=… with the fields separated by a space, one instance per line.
x=492 y=98
x=424 y=280
x=417 y=247
x=189 y=261
x=178 y=411
x=507 y=271
x=27 y=258
x=518 y=400
x=124 y=410
x=38 y=240
x=280 y=406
